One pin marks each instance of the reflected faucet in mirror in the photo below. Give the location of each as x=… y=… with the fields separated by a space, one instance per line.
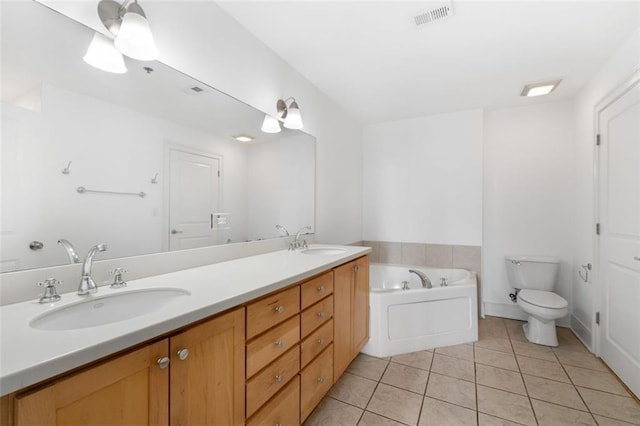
x=282 y=228
x=71 y=251
x=87 y=285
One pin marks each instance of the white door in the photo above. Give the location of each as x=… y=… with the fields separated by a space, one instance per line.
x=193 y=199
x=619 y=242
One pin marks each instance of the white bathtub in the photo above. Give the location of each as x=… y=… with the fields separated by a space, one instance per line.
x=403 y=321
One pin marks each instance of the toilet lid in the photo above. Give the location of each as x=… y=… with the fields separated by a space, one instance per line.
x=544 y=299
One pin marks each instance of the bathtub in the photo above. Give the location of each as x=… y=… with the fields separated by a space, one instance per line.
x=415 y=319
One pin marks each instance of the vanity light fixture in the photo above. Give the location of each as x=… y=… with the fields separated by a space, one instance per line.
x=133 y=38
x=243 y=138
x=270 y=124
x=538 y=89
x=290 y=114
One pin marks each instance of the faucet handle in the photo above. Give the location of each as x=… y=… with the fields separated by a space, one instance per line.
x=118 y=282
x=50 y=293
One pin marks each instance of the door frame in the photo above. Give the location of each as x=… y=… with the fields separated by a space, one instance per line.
x=597 y=290
x=170 y=146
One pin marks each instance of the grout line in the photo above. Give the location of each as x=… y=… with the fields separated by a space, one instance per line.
x=562 y=406
x=526 y=388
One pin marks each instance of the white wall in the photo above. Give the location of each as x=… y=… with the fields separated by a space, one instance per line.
x=423 y=180
x=623 y=63
x=528 y=195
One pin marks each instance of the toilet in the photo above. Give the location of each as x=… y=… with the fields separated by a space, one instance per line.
x=534 y=277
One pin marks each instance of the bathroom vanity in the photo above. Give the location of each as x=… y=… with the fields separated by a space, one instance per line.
x=258 y=340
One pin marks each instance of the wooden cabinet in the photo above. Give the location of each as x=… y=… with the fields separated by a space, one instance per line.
x=351 y=312
x=315 y=381
x=194 y=377
x=130 y=389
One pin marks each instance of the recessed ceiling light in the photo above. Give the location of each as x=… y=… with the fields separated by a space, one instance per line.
x=243 y=138
x=538 y=89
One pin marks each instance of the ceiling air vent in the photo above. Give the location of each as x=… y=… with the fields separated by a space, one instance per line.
x=194 y=90
x=440 y=11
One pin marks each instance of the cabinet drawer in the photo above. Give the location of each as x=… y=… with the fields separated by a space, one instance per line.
x=316 y=315
x=269 y=346
x=273 y=378
x=283 y=410
x=272 y=310
x=315 y=343
x=316 y=289
x=315 y=381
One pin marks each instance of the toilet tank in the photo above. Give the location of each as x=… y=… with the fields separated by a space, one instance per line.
x=533 y=272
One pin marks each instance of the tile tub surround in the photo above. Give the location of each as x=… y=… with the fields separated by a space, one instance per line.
x=500 y=380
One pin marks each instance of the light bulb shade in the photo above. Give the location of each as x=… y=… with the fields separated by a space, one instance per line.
x=293 y=119
x=102 y=54
x=135 y=39
x=270 y=124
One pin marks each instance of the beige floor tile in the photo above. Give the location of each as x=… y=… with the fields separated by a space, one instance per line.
x=541 y=368
x=405 y=377
x=568 y=341
x=580 y=359
x=487 y=420
x=505 y=405
x=495 y=359
x=331 y=412
x=371 y=419
x=421 y=359
x=453 y=367
x=516 y=333
x=457 y=351
x=598 y=380
x=495 y=343
x=506 y=380
x=606 y=421
x=552 y=391
x=440 y=413
x=396 y=404
x=368 y=366
x=354 y=390
x=449 y=389
x=554 y=415
x=534 y=351
x=490 y=331
x=613 y=406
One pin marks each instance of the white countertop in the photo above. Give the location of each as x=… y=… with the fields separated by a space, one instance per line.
x=28 y=355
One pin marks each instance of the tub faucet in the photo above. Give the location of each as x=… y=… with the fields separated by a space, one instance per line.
x=71 y=251
x=87 y=285
x=426 y=282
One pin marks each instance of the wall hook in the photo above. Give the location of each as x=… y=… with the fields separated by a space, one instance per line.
x=66 y=170
x=155 y=179
x=586 y=268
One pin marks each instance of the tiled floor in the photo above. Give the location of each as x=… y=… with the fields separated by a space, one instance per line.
x=500 y=380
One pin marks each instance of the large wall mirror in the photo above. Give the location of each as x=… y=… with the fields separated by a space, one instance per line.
x=144 y=161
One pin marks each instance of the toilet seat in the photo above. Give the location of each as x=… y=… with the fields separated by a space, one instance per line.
x=543 y=299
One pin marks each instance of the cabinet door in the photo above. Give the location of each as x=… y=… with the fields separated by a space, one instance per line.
x=207 y=382
x=360 y=303
x=129 y=390
x=342 y=294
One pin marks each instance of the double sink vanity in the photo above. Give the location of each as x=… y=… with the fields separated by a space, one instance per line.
x=255 y=340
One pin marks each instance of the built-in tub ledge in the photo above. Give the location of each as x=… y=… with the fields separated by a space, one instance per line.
x=30 y=355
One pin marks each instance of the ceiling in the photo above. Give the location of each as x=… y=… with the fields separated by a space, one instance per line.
x=372 y=61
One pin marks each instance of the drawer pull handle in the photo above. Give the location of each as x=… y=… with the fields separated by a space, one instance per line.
x=321 y=314
x=183 y=354
x=163 y=362
x=279 y=343
x=320 y=380
x=321 y=342
x=321 y=289
x=279 y=309
x=279 y=424
x=279 y=378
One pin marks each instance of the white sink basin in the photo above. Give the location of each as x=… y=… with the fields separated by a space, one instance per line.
x=324 y=251
x=107 y=309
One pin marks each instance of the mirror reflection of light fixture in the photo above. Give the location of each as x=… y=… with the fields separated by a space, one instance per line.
x=102 y=54
x=290 y=114
x=128 y=23
x=270 y=124
x=243 y=138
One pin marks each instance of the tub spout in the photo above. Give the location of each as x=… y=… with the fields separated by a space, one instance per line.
x=426 y=282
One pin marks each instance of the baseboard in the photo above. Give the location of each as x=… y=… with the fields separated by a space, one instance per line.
x=513 y=311
x=582 y=332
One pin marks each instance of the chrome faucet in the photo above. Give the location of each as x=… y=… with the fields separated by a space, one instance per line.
x=71 y=251
x=282 y=228
x=297 y=244
x=426 y=282
x=87 y=285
